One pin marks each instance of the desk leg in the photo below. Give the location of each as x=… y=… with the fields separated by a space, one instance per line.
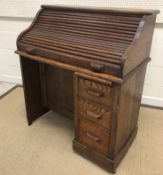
x=32 y=89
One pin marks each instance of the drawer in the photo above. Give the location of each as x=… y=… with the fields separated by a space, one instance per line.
x=94 y=112
x=94 y=137
x=96 y=92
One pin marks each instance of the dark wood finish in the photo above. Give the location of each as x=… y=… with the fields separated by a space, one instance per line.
x=105 y=9
x=140 y=47
x=97 y=113
x=71 y=67
x=99 y=40
x=32 y=89
x=101 y=160
x=59 y=89
x=95 y=92
x=94 y=136
x=88 y=64
x=130 y=99
x=123 y=119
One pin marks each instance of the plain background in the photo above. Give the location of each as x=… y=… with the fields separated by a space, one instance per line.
x=17 y=15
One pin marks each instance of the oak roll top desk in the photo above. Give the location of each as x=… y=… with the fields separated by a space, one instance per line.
x=88 y=64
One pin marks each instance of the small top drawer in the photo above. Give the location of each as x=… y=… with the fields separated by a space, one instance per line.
x=96 y=92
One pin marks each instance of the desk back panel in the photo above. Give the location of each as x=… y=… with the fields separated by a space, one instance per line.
x=58 y=89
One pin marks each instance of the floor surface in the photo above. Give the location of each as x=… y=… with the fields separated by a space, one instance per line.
x=5 y=87
x=45 y=147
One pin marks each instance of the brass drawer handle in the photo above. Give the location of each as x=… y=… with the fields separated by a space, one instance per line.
x=97 y=94
x=30 y=50
x=93 y=137
x=97 y=67
x=60 y=58
x=93 y=115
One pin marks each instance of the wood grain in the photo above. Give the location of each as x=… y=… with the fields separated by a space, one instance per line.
x=89 y=65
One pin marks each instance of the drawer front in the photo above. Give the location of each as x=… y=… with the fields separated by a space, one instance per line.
x=94 y=112
x=94 y=137
x=96 y=92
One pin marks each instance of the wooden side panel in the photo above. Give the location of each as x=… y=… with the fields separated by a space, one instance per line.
x=139 y=50
x=32 y=89
x=129 y=105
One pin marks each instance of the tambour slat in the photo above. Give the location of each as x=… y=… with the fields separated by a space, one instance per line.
x=70 y=51
x=88 y=21
x=112 y=23
x=104 y=19
x=92 y=42
x=107 y=25
x=88 y=54
x=88 y=44
x=55 y=41
x=82 y=36
x=93 y=15
x=87 y=32
x=89 y=35
x=96 y=16
x=83 y=28
x=75 y=57
x=88 y=26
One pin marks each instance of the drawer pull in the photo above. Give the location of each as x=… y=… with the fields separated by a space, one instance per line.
x=93 y=137
x=61 y=58
x=97 y=67
x=93 y=115
x=30 y=50
x=97 y=94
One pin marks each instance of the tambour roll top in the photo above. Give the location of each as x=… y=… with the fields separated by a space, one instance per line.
x=112 y=41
